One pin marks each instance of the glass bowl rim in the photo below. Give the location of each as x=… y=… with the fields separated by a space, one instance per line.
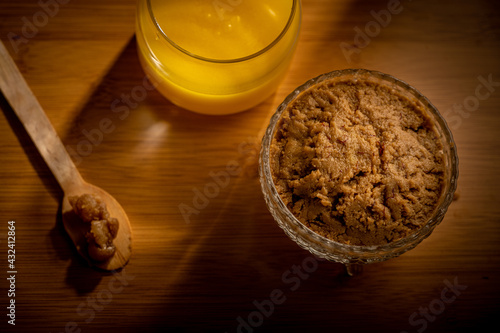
x=294 y=11
x=399 y=246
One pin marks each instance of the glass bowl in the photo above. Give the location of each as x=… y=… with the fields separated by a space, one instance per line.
x=217 y=57
x=357 y=254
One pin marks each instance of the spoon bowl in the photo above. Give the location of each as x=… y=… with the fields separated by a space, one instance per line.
x=77 y=229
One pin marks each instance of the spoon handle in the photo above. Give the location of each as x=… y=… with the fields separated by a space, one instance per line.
x=35 y=121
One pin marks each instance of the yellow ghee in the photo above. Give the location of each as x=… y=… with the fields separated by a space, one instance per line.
x=217 y=56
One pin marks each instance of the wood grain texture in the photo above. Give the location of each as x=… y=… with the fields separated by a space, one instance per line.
x=231 y=258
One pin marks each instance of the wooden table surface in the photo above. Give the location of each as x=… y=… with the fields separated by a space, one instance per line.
x=223 y=265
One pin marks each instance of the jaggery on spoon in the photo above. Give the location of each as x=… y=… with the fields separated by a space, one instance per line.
x=30 y=113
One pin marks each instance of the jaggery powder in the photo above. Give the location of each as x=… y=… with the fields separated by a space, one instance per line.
x=102 y=228
x=357 y=162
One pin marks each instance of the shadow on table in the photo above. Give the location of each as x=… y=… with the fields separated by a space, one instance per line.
x=104 y=137
x=80 y=275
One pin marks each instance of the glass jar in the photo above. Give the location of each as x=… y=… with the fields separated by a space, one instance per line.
x=217 y=57
x=357 y=254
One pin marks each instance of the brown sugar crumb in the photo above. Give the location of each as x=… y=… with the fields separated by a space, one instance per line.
x=102 y=228
x=357 y=162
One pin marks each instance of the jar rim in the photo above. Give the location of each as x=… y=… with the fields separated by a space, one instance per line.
x=294 y=10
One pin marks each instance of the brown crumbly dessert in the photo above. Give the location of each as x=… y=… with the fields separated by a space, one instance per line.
x=102 y=228
x=357 y=162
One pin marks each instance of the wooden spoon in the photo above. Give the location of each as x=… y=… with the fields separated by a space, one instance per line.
x=43 y=134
